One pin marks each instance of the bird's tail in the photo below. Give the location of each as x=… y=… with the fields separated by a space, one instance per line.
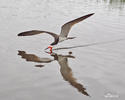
x=71 y=37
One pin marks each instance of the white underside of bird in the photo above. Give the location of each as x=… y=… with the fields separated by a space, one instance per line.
x=61 y=39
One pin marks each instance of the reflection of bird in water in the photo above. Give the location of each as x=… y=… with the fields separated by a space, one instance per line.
x=34 y=58
x=64 y=31
x=65 y=70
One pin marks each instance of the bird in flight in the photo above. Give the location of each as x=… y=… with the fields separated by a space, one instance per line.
x=63 y=34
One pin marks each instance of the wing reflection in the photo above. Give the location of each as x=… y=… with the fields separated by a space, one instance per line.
x=34 y=58
x=65 y=70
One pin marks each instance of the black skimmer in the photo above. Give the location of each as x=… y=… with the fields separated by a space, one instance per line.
x=63 y=34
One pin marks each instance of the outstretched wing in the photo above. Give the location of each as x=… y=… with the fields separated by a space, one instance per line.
x=67 y=26
x=35 y=32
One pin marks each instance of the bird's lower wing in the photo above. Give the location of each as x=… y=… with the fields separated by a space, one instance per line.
x=35 y=32
x=32 y=32
x=67 y=26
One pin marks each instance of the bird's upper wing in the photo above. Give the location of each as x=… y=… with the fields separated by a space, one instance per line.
x=35 y=32
x=67 y=26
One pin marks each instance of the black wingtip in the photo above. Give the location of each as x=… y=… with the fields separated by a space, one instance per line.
x=21 y=34
x=26 y=33
x=91 y=14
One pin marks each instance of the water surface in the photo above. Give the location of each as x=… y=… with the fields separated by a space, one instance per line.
x=90 y=67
